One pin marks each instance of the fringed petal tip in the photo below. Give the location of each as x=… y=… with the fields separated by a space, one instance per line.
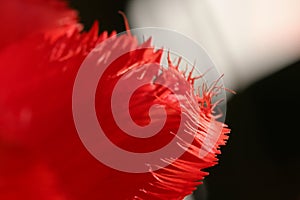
x=182 y=175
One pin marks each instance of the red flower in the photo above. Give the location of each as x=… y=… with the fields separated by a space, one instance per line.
x=41 y=155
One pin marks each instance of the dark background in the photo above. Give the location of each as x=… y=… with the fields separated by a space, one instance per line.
x=106 y=12
x=261 y=160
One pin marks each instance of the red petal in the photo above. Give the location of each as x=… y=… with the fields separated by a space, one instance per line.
x=21 y=18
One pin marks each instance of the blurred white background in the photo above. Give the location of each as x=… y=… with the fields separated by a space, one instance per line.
x=246 y=39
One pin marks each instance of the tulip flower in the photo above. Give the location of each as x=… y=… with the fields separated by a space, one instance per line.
x=42 y=47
